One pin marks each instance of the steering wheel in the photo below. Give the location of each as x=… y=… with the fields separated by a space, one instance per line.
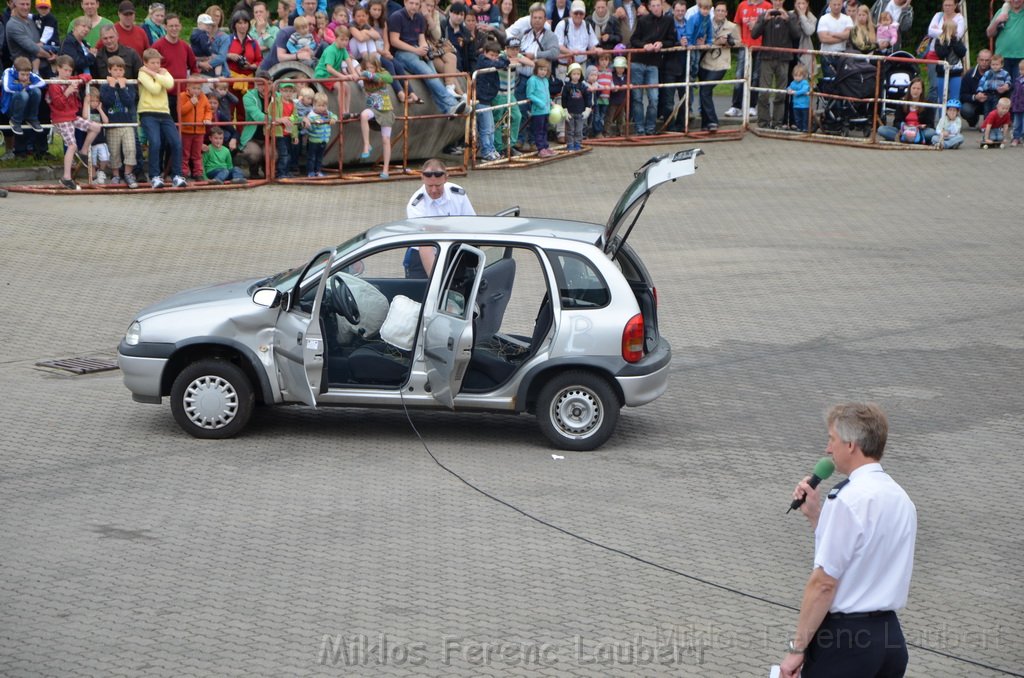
x=343 y=301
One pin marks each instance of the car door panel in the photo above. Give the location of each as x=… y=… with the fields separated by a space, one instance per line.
x=299 y=344
x=448 y=340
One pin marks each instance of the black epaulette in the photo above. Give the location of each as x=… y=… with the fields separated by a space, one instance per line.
x=457 y=190
x=834 y=492
x=416 y=199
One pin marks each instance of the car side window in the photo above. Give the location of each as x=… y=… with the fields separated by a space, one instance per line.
x=580 y=285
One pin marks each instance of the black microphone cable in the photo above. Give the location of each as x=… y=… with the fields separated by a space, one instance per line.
x=651 y=563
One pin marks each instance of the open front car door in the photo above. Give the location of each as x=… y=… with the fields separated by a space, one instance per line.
x=299 y=345
x=655 y=172
x=448 y=344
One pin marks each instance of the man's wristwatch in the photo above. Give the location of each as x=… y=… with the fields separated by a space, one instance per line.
x=791 y=648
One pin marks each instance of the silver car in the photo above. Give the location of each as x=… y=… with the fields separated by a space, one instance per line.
x=510 y=314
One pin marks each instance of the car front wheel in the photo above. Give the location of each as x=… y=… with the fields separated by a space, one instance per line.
x=212 y=399
x=577 y=411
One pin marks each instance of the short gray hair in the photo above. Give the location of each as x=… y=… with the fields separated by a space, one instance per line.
x=863 y=424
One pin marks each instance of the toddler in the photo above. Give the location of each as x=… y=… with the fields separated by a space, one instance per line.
x=300 y=126
x=947 y=132
x=996 y=126
x=378 y=107
x=800 y=90
x=303 y=39
x=284 y=106
x=887 y=33
x=995 y=83
x=99 y=154
x=225 y=111
x=1017 y=106
x=319 y=121
x=64 y=113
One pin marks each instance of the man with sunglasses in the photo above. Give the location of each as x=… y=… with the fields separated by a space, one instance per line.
x=437 y=197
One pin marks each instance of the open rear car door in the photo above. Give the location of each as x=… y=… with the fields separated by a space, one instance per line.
x=655 y=172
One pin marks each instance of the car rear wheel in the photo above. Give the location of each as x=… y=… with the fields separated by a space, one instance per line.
x=212 y=399
x=577 y=410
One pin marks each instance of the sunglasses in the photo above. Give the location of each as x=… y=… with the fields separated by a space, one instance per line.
x=433 y=174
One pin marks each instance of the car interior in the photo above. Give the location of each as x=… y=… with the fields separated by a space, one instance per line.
x=505 y=334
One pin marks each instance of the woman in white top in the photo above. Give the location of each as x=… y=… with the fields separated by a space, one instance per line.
x=949 y=13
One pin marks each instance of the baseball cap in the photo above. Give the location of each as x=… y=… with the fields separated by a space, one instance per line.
x=126 y=7
x=205 y=19
x=43 y=3
x=578 y=6
x=512 y=42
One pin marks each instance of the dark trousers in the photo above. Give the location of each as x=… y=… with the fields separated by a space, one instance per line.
x=539 y=128
x=162 y=136
x=857 y=646
x=315 y=157
x=708 y=115
x=283 y=145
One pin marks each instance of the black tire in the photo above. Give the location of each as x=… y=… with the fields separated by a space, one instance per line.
x=577 y=410
x=212 y=399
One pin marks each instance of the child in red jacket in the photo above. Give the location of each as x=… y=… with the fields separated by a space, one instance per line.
x=65 y=113
x=194 y=111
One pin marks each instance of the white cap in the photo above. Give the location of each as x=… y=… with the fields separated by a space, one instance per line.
x=205 y=19
x=578 y=6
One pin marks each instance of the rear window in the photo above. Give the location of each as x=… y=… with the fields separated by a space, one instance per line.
x=580 y=285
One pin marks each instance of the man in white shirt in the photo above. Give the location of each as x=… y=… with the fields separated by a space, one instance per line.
x=575 y=36
x=863 y=557
x=833 y=32
x=437 y=197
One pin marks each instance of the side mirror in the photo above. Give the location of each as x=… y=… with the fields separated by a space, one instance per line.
x=266 y=296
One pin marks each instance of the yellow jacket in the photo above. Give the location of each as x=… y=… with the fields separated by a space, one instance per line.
x=153 y=92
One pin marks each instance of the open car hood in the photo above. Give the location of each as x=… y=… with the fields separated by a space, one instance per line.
x=655 y=172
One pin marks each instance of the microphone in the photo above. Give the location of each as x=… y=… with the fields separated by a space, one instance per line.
x=822 y=470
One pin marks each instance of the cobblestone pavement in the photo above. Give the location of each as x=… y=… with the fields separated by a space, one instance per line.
x=790 y=276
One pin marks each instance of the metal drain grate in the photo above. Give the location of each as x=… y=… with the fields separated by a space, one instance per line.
x=81 y=365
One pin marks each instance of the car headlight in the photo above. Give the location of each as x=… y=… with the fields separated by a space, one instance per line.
x=131 y=337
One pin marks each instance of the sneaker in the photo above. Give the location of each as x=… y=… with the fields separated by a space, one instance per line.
x=239 y=180
x=460 y=108
x=157 y=182
x=129 y=180
x=1015 y=142
x=101 y=177
x=115 y=180
x=712 y=127
x=545 y=153
x=752 y=113
x=34 y=124
x=70 y=184
x=16 y=129
x=732 y=112
x=516 y=152
x=179 y=182
x=311 y=175
x=216 y=182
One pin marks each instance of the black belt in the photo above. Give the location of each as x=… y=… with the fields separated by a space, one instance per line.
x=859 y=615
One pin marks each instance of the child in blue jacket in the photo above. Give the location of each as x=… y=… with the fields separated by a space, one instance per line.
x=538 y=91
x=23 y=90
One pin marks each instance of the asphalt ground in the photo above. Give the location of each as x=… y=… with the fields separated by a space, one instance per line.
x=790 y=275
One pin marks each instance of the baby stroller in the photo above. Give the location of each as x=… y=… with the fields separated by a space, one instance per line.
x=854 y=78
x=896 y=77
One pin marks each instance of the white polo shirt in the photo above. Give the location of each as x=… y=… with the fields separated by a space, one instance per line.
x=453 y=202
x=865 y=539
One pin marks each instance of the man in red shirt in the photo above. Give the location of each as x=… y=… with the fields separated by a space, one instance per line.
x=747 y=13
x=178 y=59
x=128 y=34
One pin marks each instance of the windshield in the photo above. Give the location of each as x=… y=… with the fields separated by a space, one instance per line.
x=284 y=281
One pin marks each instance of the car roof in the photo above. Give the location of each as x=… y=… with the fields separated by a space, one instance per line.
x=474 y=226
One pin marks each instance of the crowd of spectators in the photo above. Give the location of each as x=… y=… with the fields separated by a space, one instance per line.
x=566 y=63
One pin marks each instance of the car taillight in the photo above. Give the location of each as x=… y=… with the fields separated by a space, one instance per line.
x=633 y=339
